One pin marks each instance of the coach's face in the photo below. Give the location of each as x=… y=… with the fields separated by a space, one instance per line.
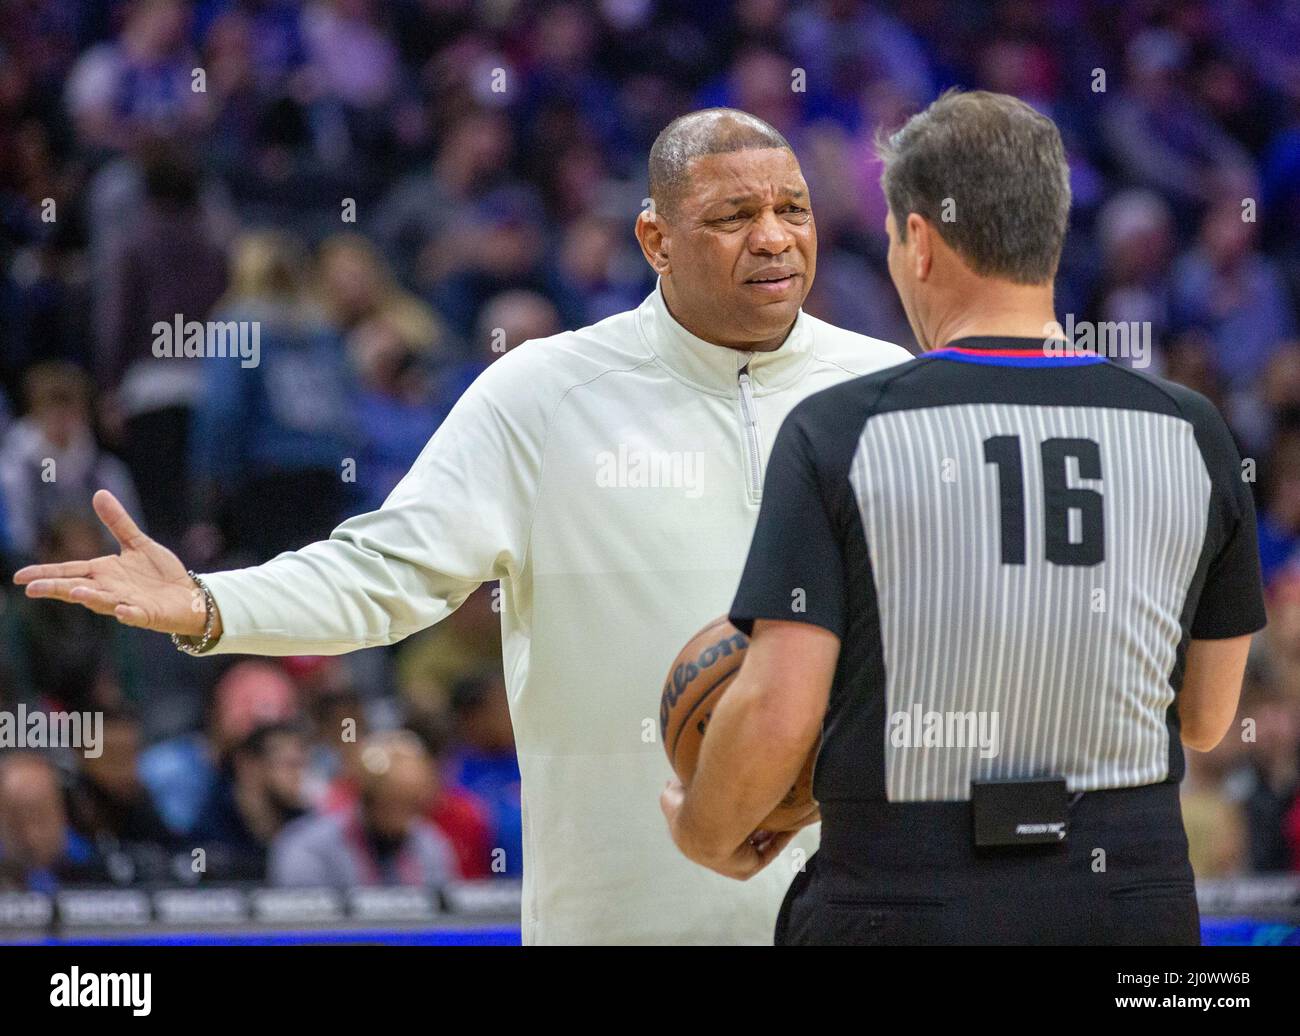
x=738 y=250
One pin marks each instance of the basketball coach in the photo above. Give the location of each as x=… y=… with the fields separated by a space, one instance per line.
x=1005 y=582
x=609 y=478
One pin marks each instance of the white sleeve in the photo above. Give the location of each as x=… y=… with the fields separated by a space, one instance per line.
x=460 y=517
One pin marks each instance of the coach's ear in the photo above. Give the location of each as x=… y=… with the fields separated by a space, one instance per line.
x=920 y=236
x=654 y=242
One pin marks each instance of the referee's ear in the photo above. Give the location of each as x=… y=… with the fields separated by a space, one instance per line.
x=920 y=245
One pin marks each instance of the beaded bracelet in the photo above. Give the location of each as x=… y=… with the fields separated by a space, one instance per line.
x=188 y=644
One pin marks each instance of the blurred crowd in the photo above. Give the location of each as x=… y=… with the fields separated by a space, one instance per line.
x=397 y=192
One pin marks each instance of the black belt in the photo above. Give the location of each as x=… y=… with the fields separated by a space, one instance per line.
x=1143 y=822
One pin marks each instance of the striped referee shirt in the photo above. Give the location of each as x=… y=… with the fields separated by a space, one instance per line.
x=1014 y=549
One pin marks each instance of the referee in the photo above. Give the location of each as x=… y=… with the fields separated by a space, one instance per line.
x=1005 y=582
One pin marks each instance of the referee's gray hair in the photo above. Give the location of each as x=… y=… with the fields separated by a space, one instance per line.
x=989 y=173
x=709 y=131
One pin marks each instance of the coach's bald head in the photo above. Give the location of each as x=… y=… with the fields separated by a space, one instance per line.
x=730 y=229
x=710 y=131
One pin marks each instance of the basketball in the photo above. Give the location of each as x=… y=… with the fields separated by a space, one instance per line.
x=700 y=675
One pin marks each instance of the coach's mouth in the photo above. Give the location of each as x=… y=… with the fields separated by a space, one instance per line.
x=773 y=282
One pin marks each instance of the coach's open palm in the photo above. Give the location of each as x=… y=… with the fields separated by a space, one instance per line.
x=145 y=585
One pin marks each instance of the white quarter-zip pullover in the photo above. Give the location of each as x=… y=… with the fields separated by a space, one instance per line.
x=610 y=478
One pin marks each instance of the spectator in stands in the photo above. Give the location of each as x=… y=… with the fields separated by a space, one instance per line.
x=1237 y=294
x=397 y=406
x=251 y=53
x=50 y=463
x=354 y=284
x=353 y=61
x=393 y=341
x=39 y=851
x=466 y=644
x=510 y=319
x=1279 y=518
x=271 y=440
x=1135 y=233
x=140 y=83
x=182 y=772
x=63 y=661
x=596 y=278
x=165 y=263
x=1280 y=193
x=383 y=839
x=842 y=44
x=338 y=727
x=1266 y=782
x=1279 y=647
x=46 y=280
x=506 y=321
x=483 y=761
x=491 y=247
x=1258 y=416
x=1189 y=360
x=474 y=154
x=111 y=808
x=459 y=815
x=561 y=74
x=1160 y=136
x=1218 y=832
x=456 y=812
x=257 y=797
x=1280 y=388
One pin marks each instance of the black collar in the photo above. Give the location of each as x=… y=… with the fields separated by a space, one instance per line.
x=1000 y=343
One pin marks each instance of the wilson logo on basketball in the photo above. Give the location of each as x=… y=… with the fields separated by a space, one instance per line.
x=685 y=673
x=700 y=675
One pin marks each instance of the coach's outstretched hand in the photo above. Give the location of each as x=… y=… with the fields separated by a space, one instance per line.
x=145 y=585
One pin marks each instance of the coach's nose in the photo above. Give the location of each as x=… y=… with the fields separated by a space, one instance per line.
x=770 y=234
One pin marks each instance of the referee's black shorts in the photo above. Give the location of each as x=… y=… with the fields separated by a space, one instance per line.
x=908 y=874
